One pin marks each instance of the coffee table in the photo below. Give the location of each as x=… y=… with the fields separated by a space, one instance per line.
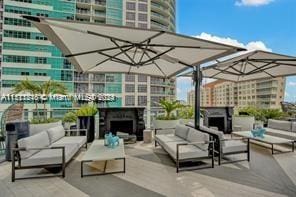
x=99 y=152
x=268 y=139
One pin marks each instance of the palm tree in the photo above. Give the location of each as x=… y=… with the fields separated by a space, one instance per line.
x=46 y=88
x=169 y=106
x=27 y=86
x=51 y=87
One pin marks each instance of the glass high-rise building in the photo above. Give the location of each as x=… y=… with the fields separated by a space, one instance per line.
x=26 y=53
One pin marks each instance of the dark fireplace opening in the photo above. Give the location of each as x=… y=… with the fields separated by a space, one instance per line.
x=217 y=122
x=125 y=126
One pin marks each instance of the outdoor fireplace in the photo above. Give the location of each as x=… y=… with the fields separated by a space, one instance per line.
x=220 y=117
x=124 y=120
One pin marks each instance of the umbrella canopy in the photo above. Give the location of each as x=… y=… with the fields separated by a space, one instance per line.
x=251 y=66
x=104 y=48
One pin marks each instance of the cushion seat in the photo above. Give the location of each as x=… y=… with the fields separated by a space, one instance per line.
x=185 y=152
x=79 y=140
x=51 y=156
x=232 y=146
x=162 y=139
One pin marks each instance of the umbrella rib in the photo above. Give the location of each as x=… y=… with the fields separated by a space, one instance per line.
x=152 y=37
x=95 y=51
x=154 y=63
x=124 y=52
x=265 y=61
x=262 y=70
x=113 y=57
x=110 y=37
x=221 y=71
x=108 y=59
x=157 y=56
x=258 y=69
x=179 y=61
x=144 y=50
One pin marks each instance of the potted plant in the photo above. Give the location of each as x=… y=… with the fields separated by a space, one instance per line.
x=86 y=120
x=169 y=119
x=69 y=119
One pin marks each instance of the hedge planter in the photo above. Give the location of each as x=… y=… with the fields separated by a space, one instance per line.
x=165 y=124
x=88 y=123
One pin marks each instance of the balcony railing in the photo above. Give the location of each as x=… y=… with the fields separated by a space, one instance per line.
x=84 y=1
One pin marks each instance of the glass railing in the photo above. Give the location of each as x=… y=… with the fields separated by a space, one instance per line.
x=84 y=1
x=83 y=11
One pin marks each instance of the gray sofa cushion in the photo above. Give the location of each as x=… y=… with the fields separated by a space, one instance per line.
x=51 y=156
x=185 y=152
x=220 y=134
x=198 y=136
x=232 y=146
x=181 y=131
x=56 y=133
x=162 y=139
x=36 y=128
x=79 y=140
x=280 y=125
x=39 y=140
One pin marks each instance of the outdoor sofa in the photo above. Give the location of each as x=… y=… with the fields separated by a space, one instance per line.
x=184 y=144
x=227 y=146
x=51 y=148
x=282 y=129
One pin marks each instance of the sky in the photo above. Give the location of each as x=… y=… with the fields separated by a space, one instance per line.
x=255 y=24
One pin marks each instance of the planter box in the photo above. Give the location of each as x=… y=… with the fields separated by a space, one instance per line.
x=87 y=122
x=165 y=123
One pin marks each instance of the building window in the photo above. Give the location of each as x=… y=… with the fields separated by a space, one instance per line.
x=129 y=88
x=142 y=78
x=110 y=79
x=142 y=17
x=130 y=16
x=129 y=78
x=130 y=6
x=40 y=60
x=142 y=88
x=142 y=7
x=142 y=100
x=143 y=25
x=130 y=24
x=129 y=100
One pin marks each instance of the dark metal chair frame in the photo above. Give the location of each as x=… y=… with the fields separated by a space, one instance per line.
x=16 y=157
x=178 y=161
x=218 y=150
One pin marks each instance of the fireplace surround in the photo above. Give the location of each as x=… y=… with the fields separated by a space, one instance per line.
x=220 y=117
x=124 y=119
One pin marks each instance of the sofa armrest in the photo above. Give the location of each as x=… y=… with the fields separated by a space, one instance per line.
x=77 y=131
x=15 y=153
x=237 y=138
x=157 y=130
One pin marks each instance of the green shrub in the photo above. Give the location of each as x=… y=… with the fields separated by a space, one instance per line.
x=87 y=110
x=186 y=113
x=70 y=117
x=43 y=121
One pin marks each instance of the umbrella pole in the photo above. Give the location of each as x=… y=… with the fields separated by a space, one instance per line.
x=197 y=78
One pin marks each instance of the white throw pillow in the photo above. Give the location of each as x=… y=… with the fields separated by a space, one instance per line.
x=56 y=133
x=39 y=140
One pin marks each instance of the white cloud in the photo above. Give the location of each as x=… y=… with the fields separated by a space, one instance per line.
x=292 y=83
x=184 y=80
x=252 y=2
x=253 y=45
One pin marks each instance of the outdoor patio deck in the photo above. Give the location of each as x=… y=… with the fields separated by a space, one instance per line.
x=150 y=172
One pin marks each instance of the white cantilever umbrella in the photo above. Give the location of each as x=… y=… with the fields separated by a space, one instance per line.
x=251 y=66
x=105 y=48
